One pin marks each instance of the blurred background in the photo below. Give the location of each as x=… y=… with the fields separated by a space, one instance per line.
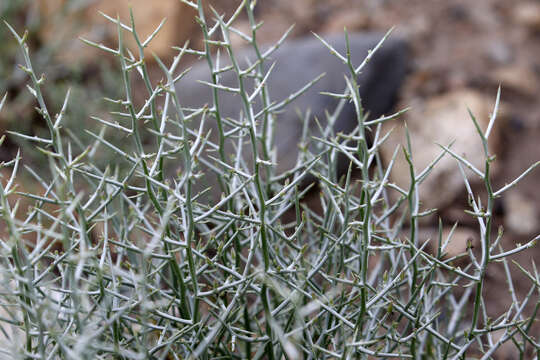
x=461 y=51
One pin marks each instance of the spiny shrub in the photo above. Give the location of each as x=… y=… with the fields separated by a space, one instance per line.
x=124 y=262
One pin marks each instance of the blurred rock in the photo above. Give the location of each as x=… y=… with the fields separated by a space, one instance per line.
x=521 y=213
x=527 y=14
x=179 y=27
x=417 y=27
x=350 y=20
x=459 y=241
x=508 y=349
x=441 y=120
x=499 y=52
x=520 y=79
x=461 y=238
x=422 y=82
x=297 y=62
x=87 y=22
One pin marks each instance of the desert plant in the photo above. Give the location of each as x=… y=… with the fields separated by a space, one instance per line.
x=123 y=262
x=55 y=57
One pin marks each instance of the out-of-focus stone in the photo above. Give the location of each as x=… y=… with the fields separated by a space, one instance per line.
x=350 y=20
x=441 y=120
x=499 y=52
x=521 y=213
x=455 y=244
x=179 y=26
x=527 y=14
x=508 y=349
x=520 y=79
x=459 y=240
x=297 y=62
x=417 y=27
x=89 y=23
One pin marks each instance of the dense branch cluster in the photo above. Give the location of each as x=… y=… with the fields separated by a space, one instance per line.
x=129 y=262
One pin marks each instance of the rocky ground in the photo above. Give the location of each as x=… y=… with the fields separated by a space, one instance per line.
x=461 y=52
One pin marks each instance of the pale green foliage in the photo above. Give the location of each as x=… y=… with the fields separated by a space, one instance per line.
x=146 y=271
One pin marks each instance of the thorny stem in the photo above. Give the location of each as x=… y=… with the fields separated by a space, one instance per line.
x=146 y=268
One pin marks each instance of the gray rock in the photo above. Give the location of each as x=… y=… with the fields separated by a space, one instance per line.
x=297 y=62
